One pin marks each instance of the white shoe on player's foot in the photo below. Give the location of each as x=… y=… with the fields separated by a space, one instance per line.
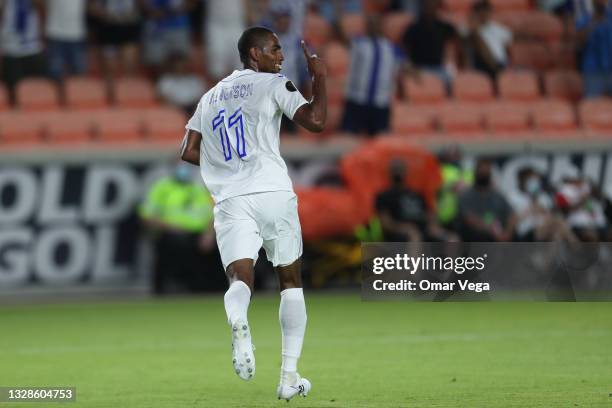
x=243 y=357
x=300 y=386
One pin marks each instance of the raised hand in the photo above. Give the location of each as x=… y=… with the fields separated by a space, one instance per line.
x=316 y=66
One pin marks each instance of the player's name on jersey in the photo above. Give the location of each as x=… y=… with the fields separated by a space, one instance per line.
x=427 y=285
x=231 y=92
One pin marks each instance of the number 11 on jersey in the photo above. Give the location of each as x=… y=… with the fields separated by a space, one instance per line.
x=235 y=122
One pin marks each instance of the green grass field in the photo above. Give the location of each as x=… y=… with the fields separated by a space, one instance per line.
x=176 y=353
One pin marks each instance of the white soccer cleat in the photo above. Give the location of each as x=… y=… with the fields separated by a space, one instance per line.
x=301 y=386
x=243 y=357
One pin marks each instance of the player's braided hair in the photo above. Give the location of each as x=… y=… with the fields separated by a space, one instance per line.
x=251 y=37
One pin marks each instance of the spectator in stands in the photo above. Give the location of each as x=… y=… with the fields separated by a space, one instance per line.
x=21 y=46
x=225 y=22
x=404 y=214
x=178 y=213
x=431 y=43
x=409 y=6
x=371 y=82
x=595 y=37
x=179 y=86
x=484 y=213
x=582 y=207
x=488 y=41
x=287 y=21
x=533 y=206
x=575 y=9
x=455 y=180
x=166 y=30
x=66 y=34
x=117 y=30
x=332 y=10
x=288 y=24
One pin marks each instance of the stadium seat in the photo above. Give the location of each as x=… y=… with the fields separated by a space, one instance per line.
x=394 y=25
x=513 y=20
x=4 y=100
x=375 y=6
x=458 y=6
x=68 y=127
x=410 y=121
x=353 y=25
x=564 y=85
x=564 y=55
x=37 y=95
x=164 y=124
x=533 y=55
x=596 y=116
x=337 y=58
x=316 y=30
x=428 y=89
x=20 y=128
x=85 y=93
x=458 y=20
x=472 y=86
x=118 y=126
x=461 y=120
x=507 y=119
x=541 y=26
x=134 y=93
x=509 y=5
x=554 y=118
x=519 y=86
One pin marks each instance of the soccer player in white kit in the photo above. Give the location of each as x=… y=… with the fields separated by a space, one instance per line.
x=234 y=137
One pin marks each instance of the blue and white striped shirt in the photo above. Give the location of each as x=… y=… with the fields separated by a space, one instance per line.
x=374 y=65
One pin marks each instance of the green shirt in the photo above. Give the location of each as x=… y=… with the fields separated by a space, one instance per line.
x=186 y=206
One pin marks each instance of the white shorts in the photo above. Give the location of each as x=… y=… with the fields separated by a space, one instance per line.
x=244 y=224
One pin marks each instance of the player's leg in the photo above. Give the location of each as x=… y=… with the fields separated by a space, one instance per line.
x=280 y=227
x=292 y=316
x=236 y=300
x=238 y=296
x=239 y=241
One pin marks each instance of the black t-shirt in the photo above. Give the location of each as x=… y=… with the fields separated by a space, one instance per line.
x=425 y=41
x=403 y=205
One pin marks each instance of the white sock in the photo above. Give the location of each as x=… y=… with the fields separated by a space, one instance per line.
x=236 y=300
x=292 y=316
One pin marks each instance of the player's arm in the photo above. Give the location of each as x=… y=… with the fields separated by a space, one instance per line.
x=190 y=150
x=313 y=115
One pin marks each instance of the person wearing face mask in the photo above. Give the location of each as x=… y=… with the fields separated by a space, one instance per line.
x=534 y=208
x=404 y=214
x=178 y=214
x=484 y=213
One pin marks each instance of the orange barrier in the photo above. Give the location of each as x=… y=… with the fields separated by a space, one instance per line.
x=328 y=212
x=365 y=170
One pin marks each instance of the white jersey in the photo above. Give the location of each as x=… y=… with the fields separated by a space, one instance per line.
x=239 y=120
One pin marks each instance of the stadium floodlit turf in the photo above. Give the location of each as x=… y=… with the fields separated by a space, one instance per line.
x=176 y=353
